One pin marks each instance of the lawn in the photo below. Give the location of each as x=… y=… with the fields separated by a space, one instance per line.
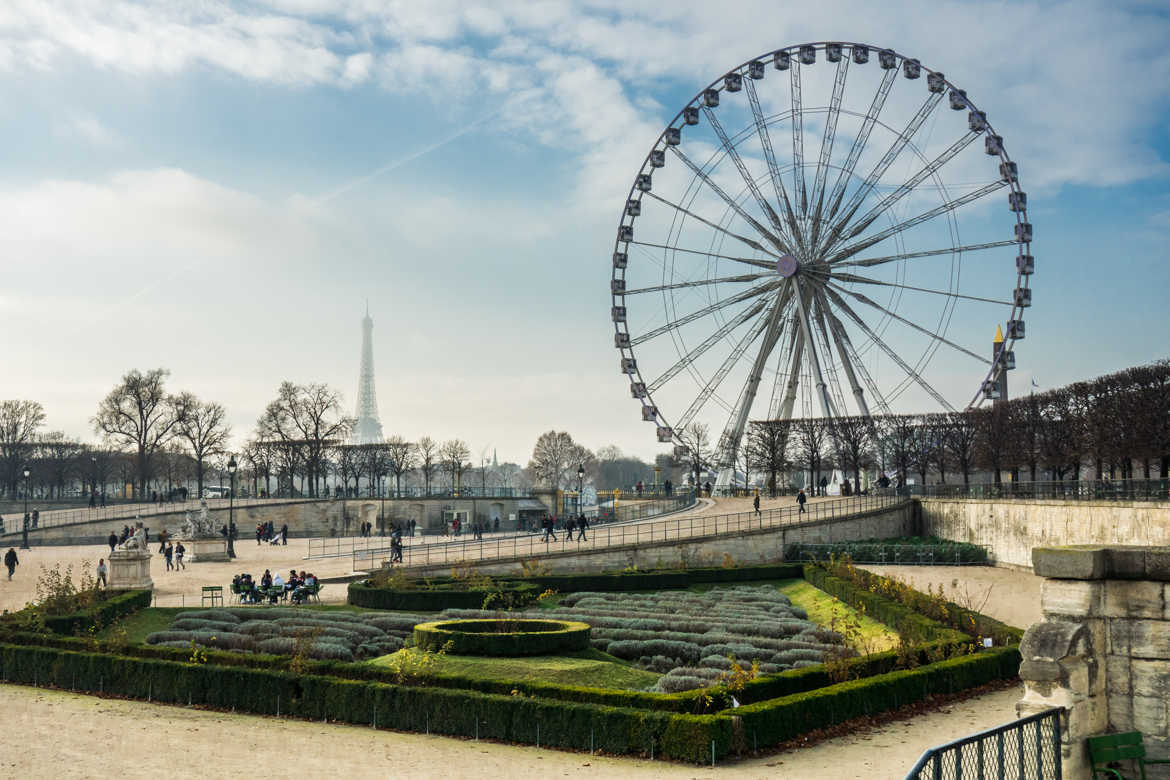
x=822 y=608
x=591 y=668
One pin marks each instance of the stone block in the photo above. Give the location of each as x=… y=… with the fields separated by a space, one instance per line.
x=1149 y=714
x=1117 y=670
x=1127 y=563
x=1138 y=599
x=1083 y=562
x=1120 y=632
x=1072 y=598
x=1158 y=564
x=1120 y=712
x=1151 y=678
x=1040 y=671
x=1148 y=639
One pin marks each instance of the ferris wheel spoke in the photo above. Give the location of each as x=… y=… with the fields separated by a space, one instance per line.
x=702 y=348
x=872 y=261
x=798 y=187
x=746 y=295
x=745 y=174
x=862 y=138
x=782 y=359
x=818 y=196
x=854 y=365
x=846 y=277
x=825 y=323
x=793 y=382
x=908 y=186
x=756 y=245
x=879 y=170
x=811 y=349
x=733 y=432
x=837 y=398
x=770 y=157
x=744 y=260
x=731 y=202
x=951 y=205
x=697 y=283
x=915 y=326
x=840 y=303
x=728 y=364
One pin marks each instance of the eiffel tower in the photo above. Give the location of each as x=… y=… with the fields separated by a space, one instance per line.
x=369 y=428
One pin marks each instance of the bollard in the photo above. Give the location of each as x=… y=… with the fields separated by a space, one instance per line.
x=375 y=724
x=538 y=734
x=278 y=706
x=590 y=741
x=712 y=752
x=428 y=724
x=149 y=690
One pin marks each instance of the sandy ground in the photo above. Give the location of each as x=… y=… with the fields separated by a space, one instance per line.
x=109 y=737
x=1004 y=594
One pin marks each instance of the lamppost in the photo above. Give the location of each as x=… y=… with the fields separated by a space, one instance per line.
x=24 y=528
x=580 y=487
x=231 y=467
x=382 y=516
x=93 y=485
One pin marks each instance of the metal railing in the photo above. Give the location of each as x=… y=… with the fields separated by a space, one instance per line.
x=882 y=553
x=466 y=491
x=1025 y=749
x=1066 y=490
x=668 y=529
x=123 y=513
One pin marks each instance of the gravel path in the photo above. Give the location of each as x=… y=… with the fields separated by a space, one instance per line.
x=129 y=740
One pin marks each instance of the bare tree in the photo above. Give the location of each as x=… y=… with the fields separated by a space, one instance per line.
x=767 y=447
x=960 y=437
x=553 y=457
x=695 y=450
x=19 y=423
x=454 y=454
x=811 y=439
x=138 y=413
x=853 y=436
x=203 y=427
x=57 y=460
x=899 y=431
x=305 y=420
x=428 y=460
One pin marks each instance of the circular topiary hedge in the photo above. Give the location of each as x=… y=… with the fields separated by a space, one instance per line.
x=503 y=637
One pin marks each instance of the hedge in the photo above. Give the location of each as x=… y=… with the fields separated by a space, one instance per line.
x=905 y=621
x=776 y=720
x=909 y=550
x=968 y=621
x=503 y=638
x=444 y=593
x=103 y=613
x=510 y=718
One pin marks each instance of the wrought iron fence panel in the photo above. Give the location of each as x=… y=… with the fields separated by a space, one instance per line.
x=1025 y=749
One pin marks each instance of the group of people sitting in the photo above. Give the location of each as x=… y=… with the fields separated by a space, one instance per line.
x=272 y=587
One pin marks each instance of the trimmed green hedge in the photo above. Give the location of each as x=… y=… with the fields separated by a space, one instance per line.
x=776 y=720
x=618 y=730
x=909 y=550
x=966 y=621
x=102 y=614
x=503 y=637
x=899 y=617
x=444 y=593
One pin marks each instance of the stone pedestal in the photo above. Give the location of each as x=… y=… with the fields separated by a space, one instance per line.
x=130 y=570
x=213 y=549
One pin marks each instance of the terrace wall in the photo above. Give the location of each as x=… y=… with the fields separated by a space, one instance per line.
x=1011 y=528
x=746 y=548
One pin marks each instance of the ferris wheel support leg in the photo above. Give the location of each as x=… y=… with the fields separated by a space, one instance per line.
x=793 y=378
x=810 y=346
x=732 y=435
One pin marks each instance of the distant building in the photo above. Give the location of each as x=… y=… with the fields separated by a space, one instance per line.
x=369 y=427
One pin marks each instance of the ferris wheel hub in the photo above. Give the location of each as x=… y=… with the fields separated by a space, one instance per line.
x=786 y=266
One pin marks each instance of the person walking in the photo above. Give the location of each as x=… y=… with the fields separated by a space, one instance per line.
x=756 y=503
x=549 y=531
x=11 y=561
x=824 y=483
x=169 y=553
x=582 y=524
x=570 y=527
x=180 y=550
x=101 y=571
x=112 y=541
x=800 y=499
x=284 y=534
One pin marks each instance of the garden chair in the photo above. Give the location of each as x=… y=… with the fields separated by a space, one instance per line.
x=1115 y=748
x=313 y=592
x=213 y=595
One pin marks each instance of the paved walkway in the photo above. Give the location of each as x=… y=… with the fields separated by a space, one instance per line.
x=131 y=739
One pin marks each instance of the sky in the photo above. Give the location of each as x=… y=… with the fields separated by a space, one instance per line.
x=220 y=189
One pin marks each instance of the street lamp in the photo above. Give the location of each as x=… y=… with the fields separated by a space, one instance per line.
x=93 y=484
x=231 y=467
x=24 y=528
x=382 y=516
x=580 y=487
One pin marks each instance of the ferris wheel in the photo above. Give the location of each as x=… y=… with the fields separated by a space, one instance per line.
x=814 y=234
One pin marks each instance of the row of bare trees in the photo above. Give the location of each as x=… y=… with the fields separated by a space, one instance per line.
x=1117 y=424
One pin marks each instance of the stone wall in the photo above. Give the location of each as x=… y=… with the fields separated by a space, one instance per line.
x=1103 y=648
x=1011 y=528
x=749 y=547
